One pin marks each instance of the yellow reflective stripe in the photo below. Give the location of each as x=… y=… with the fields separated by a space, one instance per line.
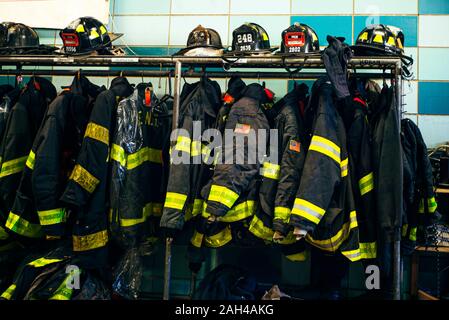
x=421 y=206
x=64 y=292
x=308 y=210
x=84 y=178
x=144 y=155
x=412 y=235
x=197 y=239
x=239 y=212
x=344 y=167
x=297 y=257
x=219 y=239
x=282 y=213
x=270 y=170
x=13 y=166
x=30 y=160
x=353 y=255
x=42 y=262
x=334 y=242
x=23 y=227
x=103 y=30
x=97 y=132
x=50 y=217
x=90 y=241
x=175 y=200
x=326 y=147
x=223 y=195
x=366 y=184
x=432 y=205
x=196 y=148
x=7 y=294
x=404 y=230
x=118 y=154
x=80 y=28
x=3 y=234
x=368 y=250
x=93 y=34
x=147 y=211
x=261 y=231
x=183 y=144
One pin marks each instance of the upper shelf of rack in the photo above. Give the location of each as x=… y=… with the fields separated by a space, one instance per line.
x=168 y=61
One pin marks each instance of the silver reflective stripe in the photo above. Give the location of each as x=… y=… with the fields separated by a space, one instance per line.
x=308 y=210
x=325 y=146
x=353 y=255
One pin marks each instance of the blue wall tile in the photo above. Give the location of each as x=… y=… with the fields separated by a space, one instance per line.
x=433 y=98
x=433 y=7
x=408 y=24
x=327 y=25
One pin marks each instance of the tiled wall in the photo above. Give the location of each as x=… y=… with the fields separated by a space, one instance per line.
x=162 y=26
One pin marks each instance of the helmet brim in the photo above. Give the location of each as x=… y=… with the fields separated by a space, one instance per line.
x=252 y=52
x=299 y=54
x=37 y=50
x=196 y=51
x=368 y=50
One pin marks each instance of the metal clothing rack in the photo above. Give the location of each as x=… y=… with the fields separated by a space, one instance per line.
x=162 y=66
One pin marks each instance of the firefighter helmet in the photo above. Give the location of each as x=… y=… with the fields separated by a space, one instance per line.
x=86 y=35
x=250 y=38
x=20 y=39
x=299 y=39
x=202 y=42
x=380 y=38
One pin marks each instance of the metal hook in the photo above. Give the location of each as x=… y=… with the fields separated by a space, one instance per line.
x=160 y=77
x=78 y=74
x=121 y=74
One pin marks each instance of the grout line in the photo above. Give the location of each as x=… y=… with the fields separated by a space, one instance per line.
x=229 y=39
x=169 y=27
x=353 y=21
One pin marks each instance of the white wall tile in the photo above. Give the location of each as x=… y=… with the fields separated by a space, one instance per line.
x=140 y=30
x=181 y=26
x=200 y=6
x=322 y=7
x=433 y=31
x=260 y=7
x=433 y=64
x=435 y=129
x=410 y=90
x=378 y=7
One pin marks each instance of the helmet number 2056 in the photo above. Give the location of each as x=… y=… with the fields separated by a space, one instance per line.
x=245 y=38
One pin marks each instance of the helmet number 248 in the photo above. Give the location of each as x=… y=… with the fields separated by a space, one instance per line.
x=245 y=38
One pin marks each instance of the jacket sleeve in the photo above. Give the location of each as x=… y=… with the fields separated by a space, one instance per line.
x=179 y=179
x=292 y=163
x=323 y=170
x=16 y=145
x=46 y=180
x=92 y=161
x=231 y=180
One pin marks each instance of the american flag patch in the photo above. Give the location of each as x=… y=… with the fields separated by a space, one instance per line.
x=242 y=128
x=295 y=146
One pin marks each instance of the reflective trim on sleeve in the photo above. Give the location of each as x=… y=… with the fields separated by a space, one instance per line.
x=308 y=210
x=7 y=294
x=353 y=220
x=223 y=195
x=282 y=213
x=97 y=132
x=196 y=148
x=326 y=147
x=12 y=166
x=3 y=234
x=412 y=235
x=64 y=291
x=270 y=170
x=183 y=144
x=194 y=209
x=353 y=255
x=144 y=155
x=51 y=217
x=197 y=239
x=42 y=262
x=368 y=250
x=23 y=227
x=90 y=241
x=30 y=160
x=220 y=239
x=261 y=231
x=344 y=167
x=239 y=212
x=84 y=178
x=175 y=200
x=150 y=209
x=432 y=205
x=366 y=184
x=297 y=257
x=118 y=154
